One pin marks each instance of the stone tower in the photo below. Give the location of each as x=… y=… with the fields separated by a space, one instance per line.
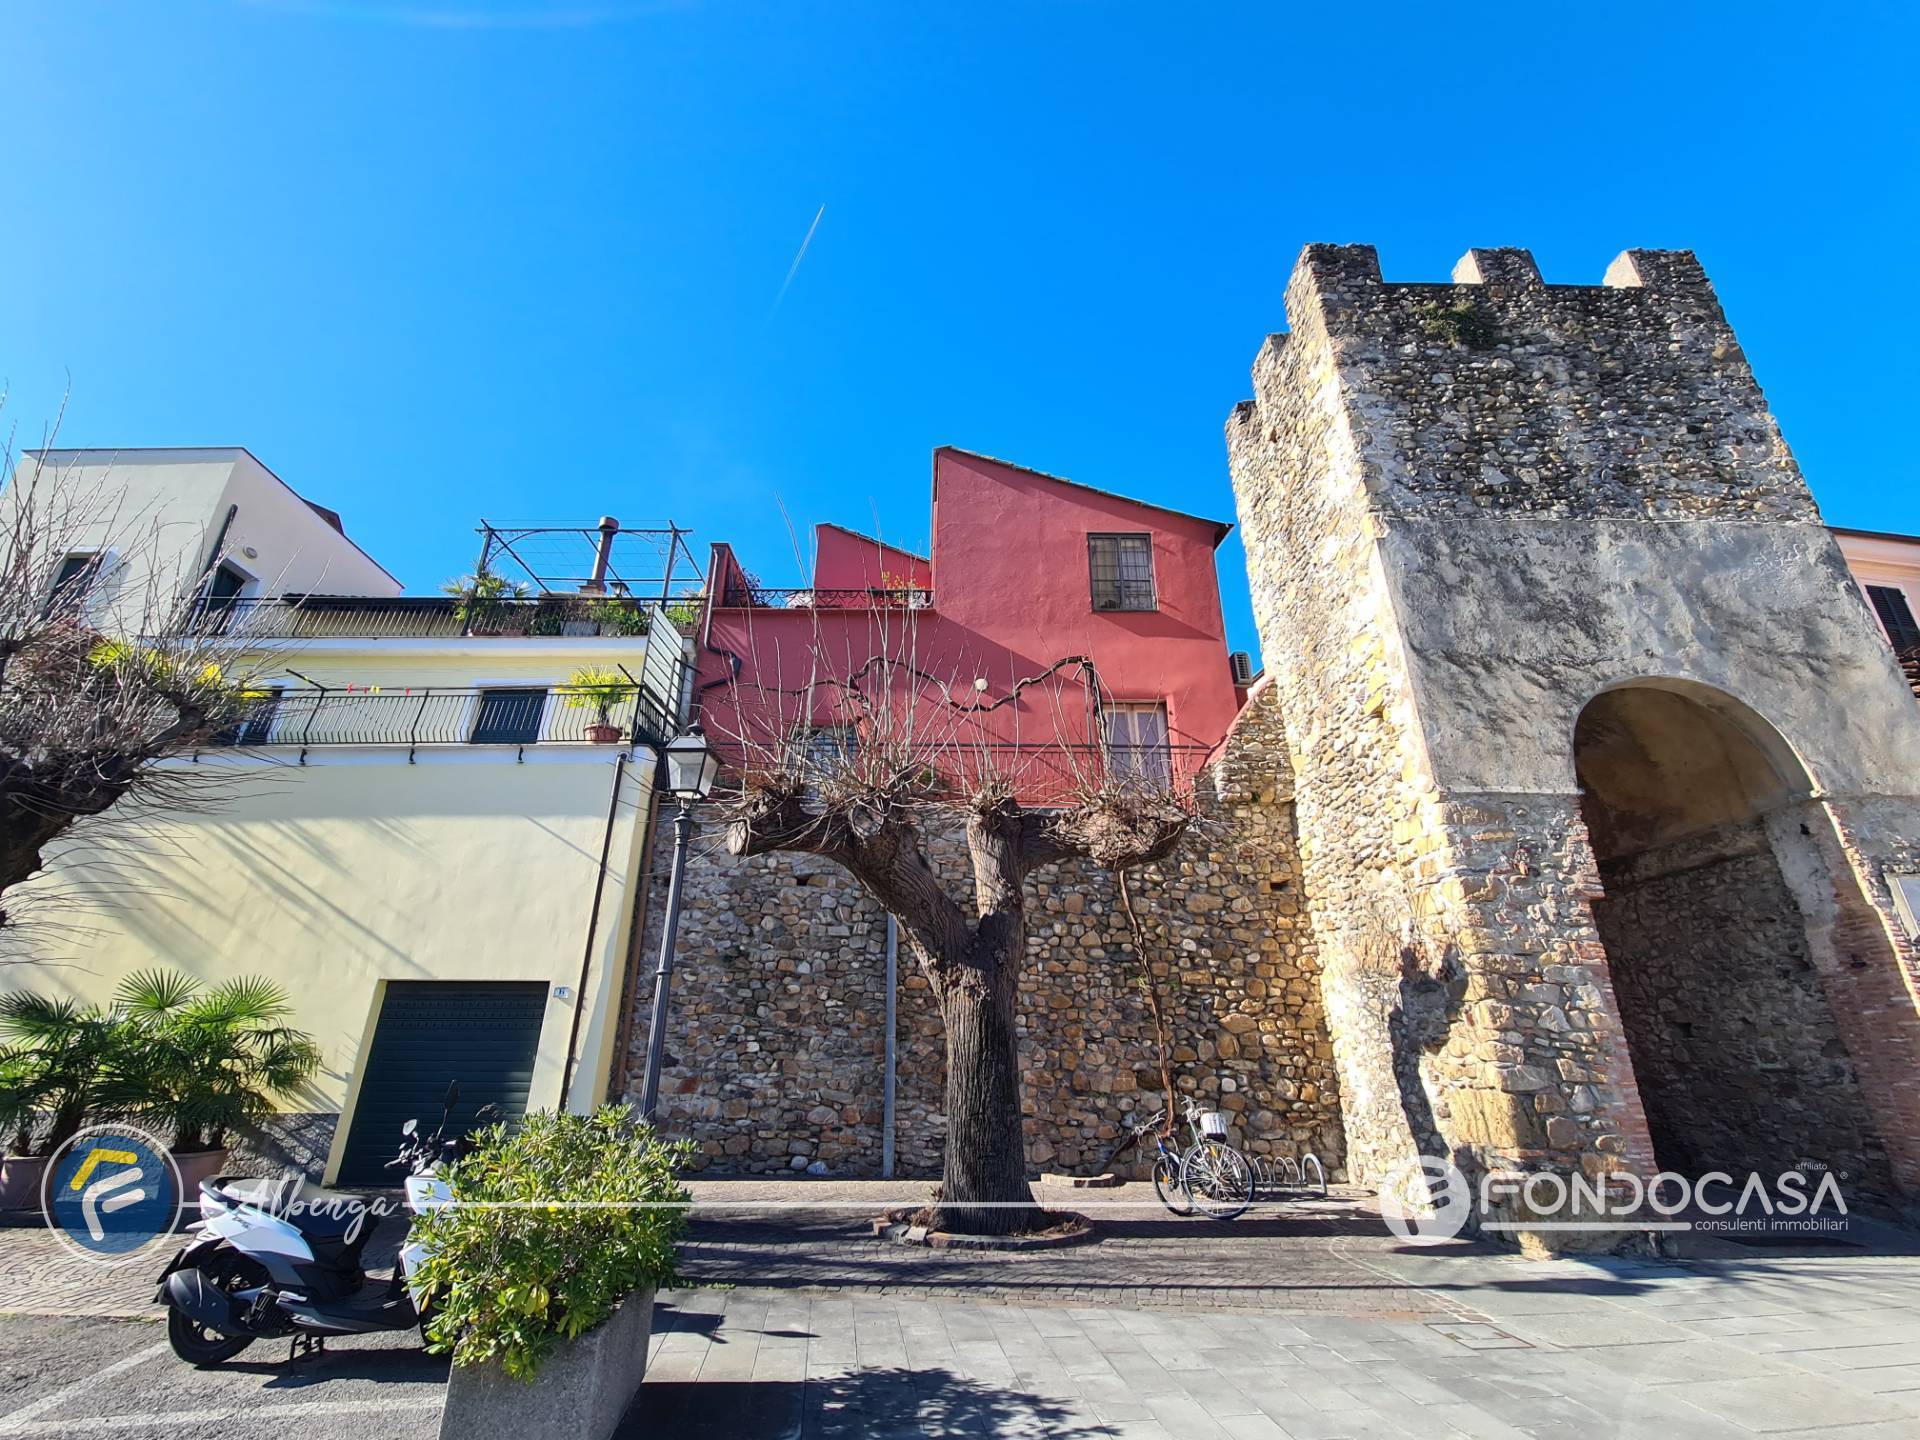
x=1602 y=769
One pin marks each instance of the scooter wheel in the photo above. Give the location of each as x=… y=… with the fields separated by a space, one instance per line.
x=198 y=1346
x=194 y=1342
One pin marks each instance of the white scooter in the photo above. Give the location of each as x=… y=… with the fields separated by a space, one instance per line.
x=281 y=1258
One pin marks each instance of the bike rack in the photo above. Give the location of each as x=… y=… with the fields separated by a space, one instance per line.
x=1282 y=1177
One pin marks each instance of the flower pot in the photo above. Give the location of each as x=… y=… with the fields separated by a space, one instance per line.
x=604 y=734
x=195 y=1166
x=20 y=1177
x=581 y=1391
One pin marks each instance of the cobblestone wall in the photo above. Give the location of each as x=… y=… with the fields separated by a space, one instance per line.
x=1739 y=1061
x=779 y=997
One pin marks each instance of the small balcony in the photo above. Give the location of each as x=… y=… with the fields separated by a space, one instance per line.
x=740 y=595
x=431 y=617
x=413 y=716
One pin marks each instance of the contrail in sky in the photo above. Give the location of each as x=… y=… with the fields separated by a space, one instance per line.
x=794 y=269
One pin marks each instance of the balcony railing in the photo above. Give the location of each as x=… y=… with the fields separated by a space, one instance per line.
x=415 y=716
x=741 y=596
x=1041 y=774
x=424 y=617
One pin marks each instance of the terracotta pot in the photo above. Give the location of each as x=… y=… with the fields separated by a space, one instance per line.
x=195 y=1166
x=20 y=1177
x=604 y=734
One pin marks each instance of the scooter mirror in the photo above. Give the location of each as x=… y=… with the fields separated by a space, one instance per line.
x=453 y=1094
x=409 y=1127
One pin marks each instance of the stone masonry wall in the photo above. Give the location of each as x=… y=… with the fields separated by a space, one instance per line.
x=779 y=997
x=1468 y=510
x=1739 y=1061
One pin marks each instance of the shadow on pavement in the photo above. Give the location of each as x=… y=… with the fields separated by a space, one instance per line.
x=870 y=1403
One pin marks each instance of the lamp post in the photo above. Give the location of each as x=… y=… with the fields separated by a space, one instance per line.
x=691 y=767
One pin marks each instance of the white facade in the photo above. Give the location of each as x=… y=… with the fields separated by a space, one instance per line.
x=372 y=832
x=160 y=521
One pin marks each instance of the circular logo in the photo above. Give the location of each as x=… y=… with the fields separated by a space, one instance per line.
x=111 y=1193
x=1426 y=1201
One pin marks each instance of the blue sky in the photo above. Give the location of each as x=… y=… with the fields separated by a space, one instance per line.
x=439 y=259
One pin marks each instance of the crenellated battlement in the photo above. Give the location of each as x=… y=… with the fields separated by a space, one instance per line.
x=1675 y=273
x=1498 y=391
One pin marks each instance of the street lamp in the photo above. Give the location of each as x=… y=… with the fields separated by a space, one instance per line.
x=691 y=767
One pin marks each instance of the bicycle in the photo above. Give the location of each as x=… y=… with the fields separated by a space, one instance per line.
x=1209 y=1175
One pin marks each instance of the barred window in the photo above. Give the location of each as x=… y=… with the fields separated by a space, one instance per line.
x=831 y=748
x=1121 y=567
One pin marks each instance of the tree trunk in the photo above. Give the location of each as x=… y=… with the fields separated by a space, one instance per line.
x=984 y=1189
x=24 y=833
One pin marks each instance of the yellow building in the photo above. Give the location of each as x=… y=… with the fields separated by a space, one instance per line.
x=420 y=833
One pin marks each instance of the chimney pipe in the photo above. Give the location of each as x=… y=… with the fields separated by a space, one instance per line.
x=603 y=556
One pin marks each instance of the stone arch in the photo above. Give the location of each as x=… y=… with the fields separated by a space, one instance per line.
x=1721 y=891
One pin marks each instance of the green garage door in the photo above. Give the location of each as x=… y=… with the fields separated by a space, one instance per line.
x=483 y=1034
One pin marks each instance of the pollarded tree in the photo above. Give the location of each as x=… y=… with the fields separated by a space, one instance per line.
x=906 y=753
x=109 y=664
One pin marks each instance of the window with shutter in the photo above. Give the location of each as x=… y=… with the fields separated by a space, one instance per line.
x=1121 y=570
x=509 y=717
x=1896 y=617
x=1137 y=741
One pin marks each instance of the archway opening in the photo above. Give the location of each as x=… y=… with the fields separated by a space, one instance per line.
x=1693 y=806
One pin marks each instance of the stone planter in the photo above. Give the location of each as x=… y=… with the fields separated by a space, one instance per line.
x=581 y=1392
x=20 y=1177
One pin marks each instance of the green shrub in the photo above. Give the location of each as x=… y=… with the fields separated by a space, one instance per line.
x=618 y=617
x=684 y=614
x=1458 y=323
x=589 y=1211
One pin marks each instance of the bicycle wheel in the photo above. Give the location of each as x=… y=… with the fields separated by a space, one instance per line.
x=1166 y=1184
x=1217 y=1179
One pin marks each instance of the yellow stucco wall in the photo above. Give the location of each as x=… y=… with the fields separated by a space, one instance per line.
x=359 y=868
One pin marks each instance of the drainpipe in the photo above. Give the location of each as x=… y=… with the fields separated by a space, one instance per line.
x=886 y=1103
x=219 y=542
x=593 y=927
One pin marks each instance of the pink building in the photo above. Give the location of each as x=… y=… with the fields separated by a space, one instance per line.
x=1027 y=571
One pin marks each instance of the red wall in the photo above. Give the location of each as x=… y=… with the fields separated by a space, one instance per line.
x=846 y=560
x=1010 y=596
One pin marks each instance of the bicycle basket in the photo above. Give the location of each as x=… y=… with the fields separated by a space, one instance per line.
x=1213 y=1124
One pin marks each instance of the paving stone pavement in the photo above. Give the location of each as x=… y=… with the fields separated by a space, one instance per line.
x=1314 y=1326
x=1790 y=1348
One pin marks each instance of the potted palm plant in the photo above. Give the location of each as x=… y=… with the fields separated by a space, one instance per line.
x=483 y=601
x=598 y=691
x=198 y=1063
x=56 y=1057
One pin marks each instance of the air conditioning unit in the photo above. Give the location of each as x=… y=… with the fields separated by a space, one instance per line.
x=1242 y=665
